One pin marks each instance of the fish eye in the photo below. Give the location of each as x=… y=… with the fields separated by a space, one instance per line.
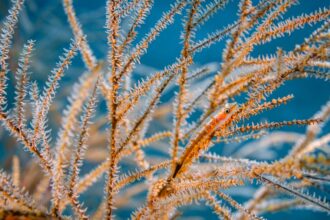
x=227 y=110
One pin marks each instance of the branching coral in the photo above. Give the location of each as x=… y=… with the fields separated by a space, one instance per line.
x=189 y=173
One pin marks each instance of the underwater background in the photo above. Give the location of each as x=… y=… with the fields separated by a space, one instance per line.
x=45 y=22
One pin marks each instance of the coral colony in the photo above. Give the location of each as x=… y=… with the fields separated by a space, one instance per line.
x=158 y=158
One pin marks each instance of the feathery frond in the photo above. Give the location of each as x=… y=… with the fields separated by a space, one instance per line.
x=164 y=137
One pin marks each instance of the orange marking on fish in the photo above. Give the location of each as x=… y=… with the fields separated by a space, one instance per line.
x=221 y=116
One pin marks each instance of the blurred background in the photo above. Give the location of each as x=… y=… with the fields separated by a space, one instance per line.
x=45 y=22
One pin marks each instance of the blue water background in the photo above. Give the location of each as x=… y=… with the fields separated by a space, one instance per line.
x=45 y=22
